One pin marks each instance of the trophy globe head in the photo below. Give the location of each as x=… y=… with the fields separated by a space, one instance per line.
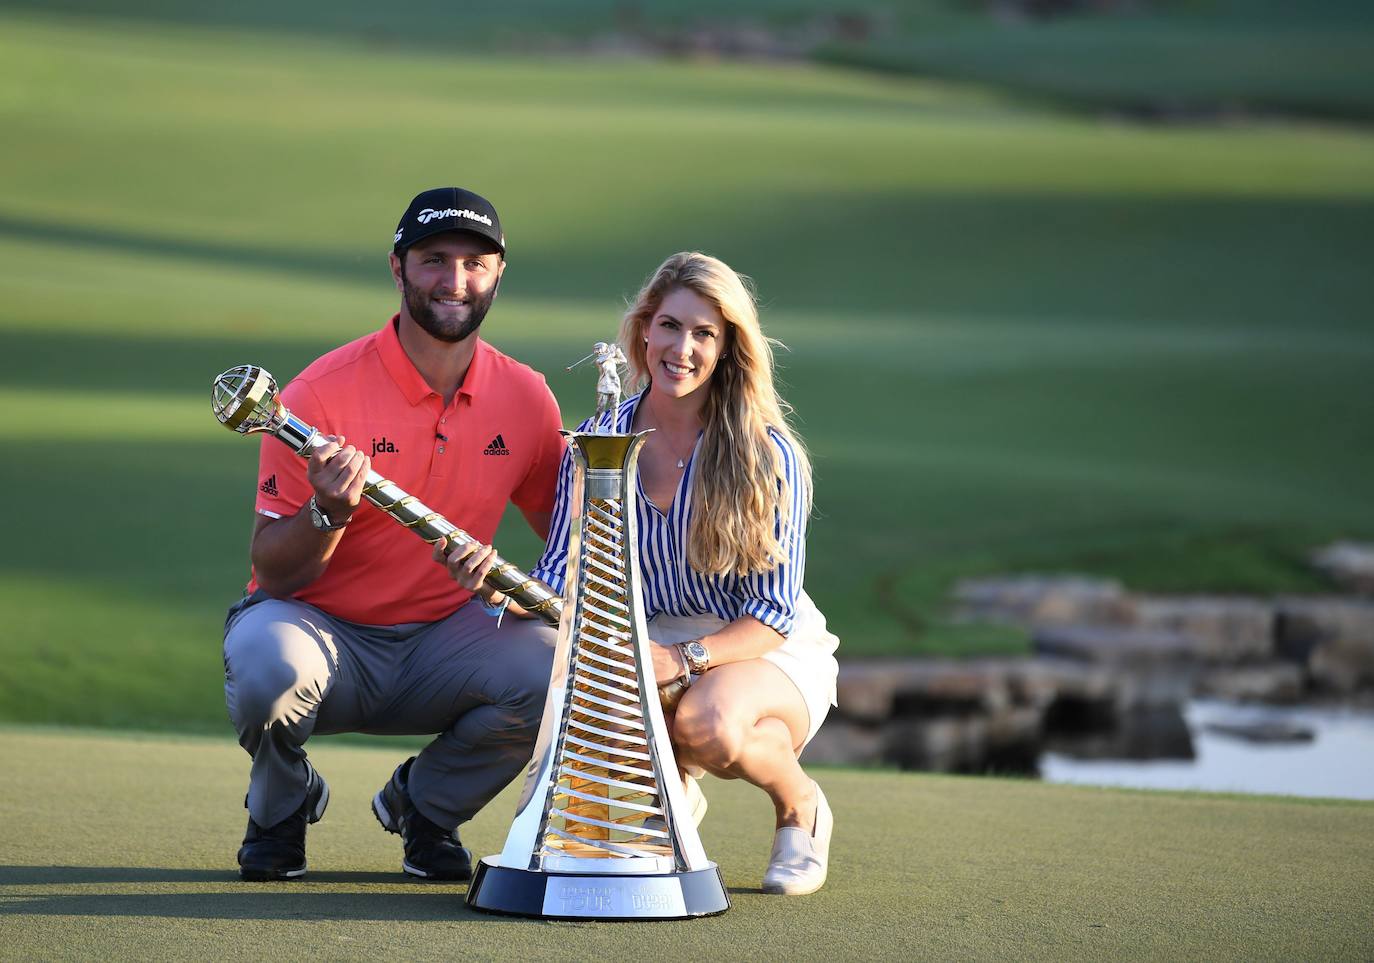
x=244 y=399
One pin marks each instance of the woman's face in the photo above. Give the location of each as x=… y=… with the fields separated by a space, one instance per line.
x=686 y=336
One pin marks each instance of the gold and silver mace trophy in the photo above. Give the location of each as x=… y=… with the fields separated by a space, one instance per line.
x=245 y=399
x=602 y=829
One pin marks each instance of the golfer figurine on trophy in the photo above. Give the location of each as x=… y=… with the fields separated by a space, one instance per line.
x=609 y=359
x=602 y=829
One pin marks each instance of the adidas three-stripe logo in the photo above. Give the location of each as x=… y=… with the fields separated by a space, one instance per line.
x=270 y=486
x=497 y=447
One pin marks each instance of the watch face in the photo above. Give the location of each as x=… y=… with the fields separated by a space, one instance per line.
x=318 y=518
x=698 y=654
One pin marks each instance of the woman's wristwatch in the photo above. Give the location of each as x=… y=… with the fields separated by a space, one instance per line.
x=696 y=655
x=696 y=659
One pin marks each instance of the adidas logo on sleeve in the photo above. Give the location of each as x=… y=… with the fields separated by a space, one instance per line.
x=497 y=447
x=269 y=487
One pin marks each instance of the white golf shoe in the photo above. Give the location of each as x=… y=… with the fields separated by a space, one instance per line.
x=800 y=859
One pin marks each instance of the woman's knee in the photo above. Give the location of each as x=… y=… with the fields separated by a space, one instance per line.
x=709 y=733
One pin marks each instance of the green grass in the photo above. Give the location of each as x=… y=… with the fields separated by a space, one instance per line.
x=1169 y=59
x=1018 y=340
x=1162 y=58
x=139 y=863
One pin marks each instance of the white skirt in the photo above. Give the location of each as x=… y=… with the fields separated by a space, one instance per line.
x=807 y=656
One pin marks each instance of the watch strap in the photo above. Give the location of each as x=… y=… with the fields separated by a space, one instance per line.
x=318 y=515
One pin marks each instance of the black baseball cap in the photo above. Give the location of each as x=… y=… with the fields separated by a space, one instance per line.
x=443 y=209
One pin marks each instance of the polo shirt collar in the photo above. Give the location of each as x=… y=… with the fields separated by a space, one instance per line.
x=478 y=372
x=412 y=384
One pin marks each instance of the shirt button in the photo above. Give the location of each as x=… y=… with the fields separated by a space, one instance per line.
x=441 y=449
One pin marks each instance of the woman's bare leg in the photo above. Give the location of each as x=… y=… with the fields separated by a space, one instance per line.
x=746 y=720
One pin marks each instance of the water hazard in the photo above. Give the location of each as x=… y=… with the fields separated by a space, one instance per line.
x=1225 y=747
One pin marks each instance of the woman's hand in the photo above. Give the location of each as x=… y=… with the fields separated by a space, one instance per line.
x=467 y=564
x=668 y=663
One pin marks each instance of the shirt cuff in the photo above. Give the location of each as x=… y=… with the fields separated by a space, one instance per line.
x=555 y=582
x=772 y=616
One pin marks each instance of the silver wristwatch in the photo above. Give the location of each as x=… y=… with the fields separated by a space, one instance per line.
x=320 y=520
x=697 y=655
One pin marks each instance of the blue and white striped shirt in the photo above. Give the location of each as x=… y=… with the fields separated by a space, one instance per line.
x=669 y=584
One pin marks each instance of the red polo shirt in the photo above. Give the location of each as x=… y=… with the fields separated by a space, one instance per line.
x=497 y=441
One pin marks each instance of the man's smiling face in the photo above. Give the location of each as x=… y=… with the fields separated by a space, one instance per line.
x=448 y=282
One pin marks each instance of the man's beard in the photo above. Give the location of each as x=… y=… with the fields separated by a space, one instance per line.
x=450 y=330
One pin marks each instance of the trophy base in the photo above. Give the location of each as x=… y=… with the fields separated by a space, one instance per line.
x=581 y=896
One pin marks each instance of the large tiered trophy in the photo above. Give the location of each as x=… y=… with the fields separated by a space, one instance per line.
x=245 y=399
x=602 y=829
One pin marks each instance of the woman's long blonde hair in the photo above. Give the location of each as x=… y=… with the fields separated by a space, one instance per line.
x=740 y=491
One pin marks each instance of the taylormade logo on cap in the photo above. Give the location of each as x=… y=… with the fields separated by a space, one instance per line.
x=429 y=214
x=443 y=209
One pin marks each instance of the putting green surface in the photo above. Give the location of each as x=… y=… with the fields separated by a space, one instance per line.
x=121 y=847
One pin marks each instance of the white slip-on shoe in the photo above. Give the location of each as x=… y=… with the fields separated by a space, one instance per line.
x=800 y=859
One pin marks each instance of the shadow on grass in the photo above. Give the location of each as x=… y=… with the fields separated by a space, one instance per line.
x=302 y=899
x=1118 y=258
x=67 y=875
x=164 y=365
x=295 y=899
x=282 y=905
x=360 y=266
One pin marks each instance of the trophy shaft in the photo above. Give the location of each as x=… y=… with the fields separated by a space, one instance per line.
x=530 y=593
x=300 y=436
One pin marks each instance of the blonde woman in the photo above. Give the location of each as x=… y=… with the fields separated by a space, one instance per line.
x=725 y=490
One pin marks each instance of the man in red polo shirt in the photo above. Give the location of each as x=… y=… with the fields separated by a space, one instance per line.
x=348 y=625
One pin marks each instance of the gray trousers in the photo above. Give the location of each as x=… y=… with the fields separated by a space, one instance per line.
x=291 y=671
